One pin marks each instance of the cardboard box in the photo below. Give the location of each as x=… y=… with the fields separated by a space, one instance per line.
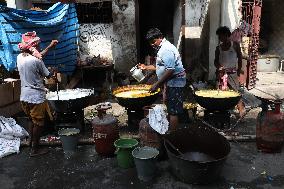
x=6 y=94
x=17 y=90
x=11 y=109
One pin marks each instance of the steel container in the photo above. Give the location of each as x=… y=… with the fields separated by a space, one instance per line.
x=197 y=140
x=268 y=63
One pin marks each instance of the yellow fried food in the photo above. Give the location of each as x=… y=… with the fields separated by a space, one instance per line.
x=217 y=93
x=134 y=94
x=189 y=105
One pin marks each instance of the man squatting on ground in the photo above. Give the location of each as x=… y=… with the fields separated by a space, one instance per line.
x=33 y=94
x=170 y=73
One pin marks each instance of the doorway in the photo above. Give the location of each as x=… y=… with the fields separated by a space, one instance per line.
x=153 y=13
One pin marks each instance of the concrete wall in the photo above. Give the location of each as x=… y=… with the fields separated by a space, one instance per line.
x=215 y=21
x=11 y=3
x=222 y=13
x=195 y=15
x=273 y=26
x=97 y=39
x=230 y=13
x=177 y=23
x=19 y=4
x=125 y=56
x=195 y=12
x=115 y=41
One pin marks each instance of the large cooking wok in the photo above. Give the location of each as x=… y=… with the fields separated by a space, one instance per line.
x=138 y=102
x=203 y=153
x=69 y=100
x=215 y=101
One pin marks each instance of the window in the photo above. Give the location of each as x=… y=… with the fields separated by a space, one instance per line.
x=98 y=12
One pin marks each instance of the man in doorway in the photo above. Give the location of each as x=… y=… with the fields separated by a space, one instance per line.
x=33 y=94
x=170 y=73
x=228 y=59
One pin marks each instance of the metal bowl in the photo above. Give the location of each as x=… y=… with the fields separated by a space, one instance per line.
x=204 y=152
x=137 y=102
x=217 y=104
x=75 y=103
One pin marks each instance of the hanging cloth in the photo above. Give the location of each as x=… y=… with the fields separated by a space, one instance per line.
x=59 y=22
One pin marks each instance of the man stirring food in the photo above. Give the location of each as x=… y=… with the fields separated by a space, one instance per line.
x=33 y=94
x=228 y=61
x=170 y=73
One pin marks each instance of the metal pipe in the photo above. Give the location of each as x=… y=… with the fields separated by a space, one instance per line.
x=82 y=141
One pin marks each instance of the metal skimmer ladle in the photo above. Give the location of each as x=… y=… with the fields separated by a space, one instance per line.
x=171 y=144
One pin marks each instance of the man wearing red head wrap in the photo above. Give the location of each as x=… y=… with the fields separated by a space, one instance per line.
x=33 y=95
x=30 y=42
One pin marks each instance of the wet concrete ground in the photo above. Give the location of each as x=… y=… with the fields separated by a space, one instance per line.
x=244 y=168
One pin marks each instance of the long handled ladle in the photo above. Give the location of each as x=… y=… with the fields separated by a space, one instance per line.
x=172 y=146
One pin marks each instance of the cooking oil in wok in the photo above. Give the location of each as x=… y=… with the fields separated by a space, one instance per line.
x=197 y=156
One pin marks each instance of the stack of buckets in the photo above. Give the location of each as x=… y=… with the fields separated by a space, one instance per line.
x=144 y=158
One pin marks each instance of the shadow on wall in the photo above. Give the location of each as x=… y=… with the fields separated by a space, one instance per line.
x=124 y=30
x=97 y=40
x=196 y=53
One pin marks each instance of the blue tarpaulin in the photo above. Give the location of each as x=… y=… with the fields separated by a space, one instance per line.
x=58 y=22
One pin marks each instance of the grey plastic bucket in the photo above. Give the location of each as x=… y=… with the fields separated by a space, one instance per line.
x=145 y=161
x=69 y=139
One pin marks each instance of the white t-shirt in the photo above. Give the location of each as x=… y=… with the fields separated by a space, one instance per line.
x=228 y=58
x=32 y=72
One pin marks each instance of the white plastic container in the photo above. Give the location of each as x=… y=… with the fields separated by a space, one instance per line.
x=268 y=63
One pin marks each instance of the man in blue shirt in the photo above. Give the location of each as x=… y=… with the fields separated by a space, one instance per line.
x=170 y=73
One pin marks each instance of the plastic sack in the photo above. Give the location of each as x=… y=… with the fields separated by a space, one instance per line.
x=10 y=136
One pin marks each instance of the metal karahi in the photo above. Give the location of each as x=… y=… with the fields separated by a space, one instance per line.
x=70 y=99
x=217 y=99
x=138 y=96
x=197 y=153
